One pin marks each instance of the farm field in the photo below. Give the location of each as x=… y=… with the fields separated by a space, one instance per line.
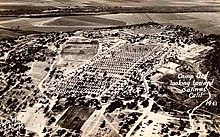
x=6 y=33
x=51 y=24
x=205 y=22
x=75 y=117
x=83 y=21
x=133 y=18
x=199 y=21
x=72 y=23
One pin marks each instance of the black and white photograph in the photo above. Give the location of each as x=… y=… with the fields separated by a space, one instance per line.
x=109 y=68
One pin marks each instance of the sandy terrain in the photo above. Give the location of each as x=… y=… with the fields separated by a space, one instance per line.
x=35 y=121
x=37 y=71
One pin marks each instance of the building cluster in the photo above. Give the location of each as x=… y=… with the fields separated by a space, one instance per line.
x=103 y=71
x=118 y=76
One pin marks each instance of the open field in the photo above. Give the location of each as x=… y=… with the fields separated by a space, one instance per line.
x=133 y=18
x=37 y=71
x=6 y=18
x=75 y=54
x=72 y=23
x=15 y=6
x=12 y=24
x=64 y=3
x=83 y=21
x=86 y=49
x=205 y=22
x=69 y=21
x=75 y=117
x=51 y=24
x=6 y=33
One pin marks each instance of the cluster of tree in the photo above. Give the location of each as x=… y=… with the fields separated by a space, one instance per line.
x=212 y=58
x=128 y=121
x=213 y=134
x=60 y=132
x=11 y=127
x=114 y=105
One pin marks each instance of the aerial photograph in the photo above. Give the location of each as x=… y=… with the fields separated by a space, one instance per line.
x=109 y=68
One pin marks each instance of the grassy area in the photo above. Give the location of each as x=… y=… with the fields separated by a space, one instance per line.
x=84 y=21
x=6 y=33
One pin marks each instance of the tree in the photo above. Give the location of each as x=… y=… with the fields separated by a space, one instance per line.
x=114 y=105
x=31 y=134
x=47 y=69
x=145 y=103
x=51 y=120
x=44 y=130
x=103 y=124
x=195 y=135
